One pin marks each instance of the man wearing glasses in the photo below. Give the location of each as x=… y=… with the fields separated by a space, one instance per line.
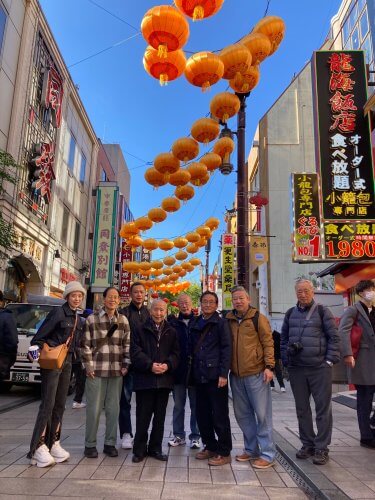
x=210 y=349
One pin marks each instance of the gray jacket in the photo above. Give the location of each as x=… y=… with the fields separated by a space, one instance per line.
x=319 y=339
x=364 y=371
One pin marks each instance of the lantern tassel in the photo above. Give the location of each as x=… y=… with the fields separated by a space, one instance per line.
x=198 y=13
x=162 y=51
x=225 y=117
x=163 y=79
x=206 y=86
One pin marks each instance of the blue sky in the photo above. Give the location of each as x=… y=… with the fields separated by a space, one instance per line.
x=128 y=107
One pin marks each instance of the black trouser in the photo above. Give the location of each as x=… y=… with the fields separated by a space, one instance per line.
x=80 y=374
x=213 y=417
x=124 y=419
x=278 y=373
x=315 y=382
x=365 y=394
x=150 y=403
x=54 y=390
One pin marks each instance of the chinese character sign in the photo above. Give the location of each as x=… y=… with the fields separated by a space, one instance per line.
x=343 y=144
x=258 y=250
x=52 y=94
x=350 y=240
x=306 y=219
x=104 y=237
x=125 y=282
x=43 y=175
x=228 y=269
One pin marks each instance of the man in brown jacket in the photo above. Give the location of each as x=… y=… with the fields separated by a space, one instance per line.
x=251 y=372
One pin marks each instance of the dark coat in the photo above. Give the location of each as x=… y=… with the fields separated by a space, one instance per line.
x=57 y=327
x=214 y=355
x=146 y=348
x=136 y=317
x=8 y=332
x=276 y=344
x=320 y=339
x=363 y=372
x=181 y=372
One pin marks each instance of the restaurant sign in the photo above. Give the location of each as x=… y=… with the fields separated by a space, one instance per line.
x=228 y=243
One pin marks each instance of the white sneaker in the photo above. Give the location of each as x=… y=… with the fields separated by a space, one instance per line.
x=76 y=405
x=195 y=444
x=176 y=441
x=272 y=388
x=282 y=389
x=127 y=442
x=58 y=453
x=42 y=457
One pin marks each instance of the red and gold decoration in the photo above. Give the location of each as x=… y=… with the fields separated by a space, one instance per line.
x=199 y=9
x=204 y=69
x=157 y=214
x=185 y=149
x=224 y=105
x=259 y=46
x=166 y=69
x=155 y=178
x=166 y=163
x=274 y=28
x=237 y=59
x=184 y=193
x=205 y=130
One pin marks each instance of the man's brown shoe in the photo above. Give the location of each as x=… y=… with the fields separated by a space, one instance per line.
x=220 y=460
x=205 y=454
x=245 y=457
x=260 y=463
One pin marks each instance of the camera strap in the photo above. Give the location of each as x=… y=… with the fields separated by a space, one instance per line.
x=309 y=314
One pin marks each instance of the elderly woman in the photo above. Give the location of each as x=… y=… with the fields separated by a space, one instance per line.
x=61 y=324
x=362 y=367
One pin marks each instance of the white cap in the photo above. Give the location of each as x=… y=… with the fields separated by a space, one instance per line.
x=73 y=286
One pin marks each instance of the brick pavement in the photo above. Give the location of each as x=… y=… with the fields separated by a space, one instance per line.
x=181 y=477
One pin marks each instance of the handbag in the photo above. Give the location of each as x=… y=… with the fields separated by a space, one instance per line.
x=355 y=337
x=53 y=358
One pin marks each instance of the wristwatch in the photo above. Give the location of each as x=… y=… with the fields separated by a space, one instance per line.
x=269 y=367
x=329 y=363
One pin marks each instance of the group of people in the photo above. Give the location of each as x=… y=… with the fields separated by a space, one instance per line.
x=145 y=351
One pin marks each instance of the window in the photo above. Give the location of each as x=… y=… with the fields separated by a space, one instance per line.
x=364 y=24
x=64 y=226
x=353 y=16
x=72 y=152
x=82 y=170
x=346 y=31
x=361 y=4
x=355 y=39
x=76 y=237
x=103 y=176
x=3 y=19
x=366 y=46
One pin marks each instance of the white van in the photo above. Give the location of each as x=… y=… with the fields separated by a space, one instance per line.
x=28 y=317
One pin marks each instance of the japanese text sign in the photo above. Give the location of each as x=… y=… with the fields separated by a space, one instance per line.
x=228 y=242
x=350 y=240
x=343 y=145
x=125 y=282
x=306 y=219
x=258 y=250
x=104 y=237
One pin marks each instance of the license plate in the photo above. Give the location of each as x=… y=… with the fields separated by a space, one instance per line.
x=20 y=377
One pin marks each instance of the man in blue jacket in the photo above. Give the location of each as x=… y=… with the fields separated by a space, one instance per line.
x=210 y=348
x=180 y=387
x=310 y=346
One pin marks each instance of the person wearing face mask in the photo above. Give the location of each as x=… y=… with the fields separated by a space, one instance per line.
x=361 y=370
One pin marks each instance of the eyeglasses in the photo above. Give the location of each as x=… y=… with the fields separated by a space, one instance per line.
x=208 y=302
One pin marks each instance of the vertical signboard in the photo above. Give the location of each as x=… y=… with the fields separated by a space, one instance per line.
x=228 y=244
x=306 y=219
x=125 y=280
x=104 y=238
x=258 y=250
x=343 y=136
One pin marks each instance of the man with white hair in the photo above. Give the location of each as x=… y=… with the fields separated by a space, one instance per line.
x=181 y=388
x=310 y=346
x=154 y=353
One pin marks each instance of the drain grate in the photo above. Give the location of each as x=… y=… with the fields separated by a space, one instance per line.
x=297 y=478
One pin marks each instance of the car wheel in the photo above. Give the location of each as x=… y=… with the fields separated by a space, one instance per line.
x=5 y=387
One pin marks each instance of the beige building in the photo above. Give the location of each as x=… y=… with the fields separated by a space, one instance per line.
x=45 y=127
x=284 y=143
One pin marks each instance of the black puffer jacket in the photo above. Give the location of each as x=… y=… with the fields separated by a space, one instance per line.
x=320 y=339
x=214 y=355
x=57 y=327
x=136 y=317
x=8 y=332
x=147 y=348
x=182 y=329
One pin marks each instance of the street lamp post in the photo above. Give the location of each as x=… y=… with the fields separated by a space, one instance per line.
x=242 y=202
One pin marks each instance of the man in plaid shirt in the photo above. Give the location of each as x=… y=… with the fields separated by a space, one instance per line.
x=105 y=354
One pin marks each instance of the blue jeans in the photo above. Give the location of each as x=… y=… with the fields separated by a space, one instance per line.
x=179 y=396
x=252 y=405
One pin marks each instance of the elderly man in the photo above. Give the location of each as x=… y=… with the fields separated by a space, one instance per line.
x=154 y=353
x=251 y=372
x=360 y=358
x=310 y=346
x=180 y=389
x=137 y=314
x=210 y=348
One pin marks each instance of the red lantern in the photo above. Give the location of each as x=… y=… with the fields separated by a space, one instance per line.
x=155 y=295
x=259 y=201
x=166 y=300
x=174 y=304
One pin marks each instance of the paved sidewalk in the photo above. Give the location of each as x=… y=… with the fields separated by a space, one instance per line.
x=350 y=473
x=113 y=478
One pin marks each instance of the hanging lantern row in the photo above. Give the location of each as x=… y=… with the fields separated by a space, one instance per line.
x=166 y=30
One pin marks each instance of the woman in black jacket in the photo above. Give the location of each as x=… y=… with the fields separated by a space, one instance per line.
x=154 y=353
x=61 y=323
